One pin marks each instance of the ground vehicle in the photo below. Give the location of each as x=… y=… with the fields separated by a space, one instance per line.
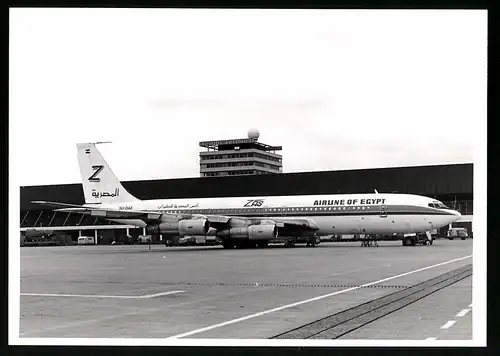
x=86 y=240
x=418 y=238
x=457 y=232
x=144 y=239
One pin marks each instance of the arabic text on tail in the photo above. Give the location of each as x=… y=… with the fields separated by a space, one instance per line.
x=100 y=184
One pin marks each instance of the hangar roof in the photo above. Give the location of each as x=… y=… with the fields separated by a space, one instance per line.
x=438 y=180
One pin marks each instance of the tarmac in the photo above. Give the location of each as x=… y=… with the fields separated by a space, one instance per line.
x=210 y=292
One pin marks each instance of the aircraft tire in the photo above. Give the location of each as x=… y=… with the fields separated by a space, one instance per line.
x=227 y=245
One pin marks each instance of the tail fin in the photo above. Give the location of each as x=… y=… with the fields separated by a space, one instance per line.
x=100 y=185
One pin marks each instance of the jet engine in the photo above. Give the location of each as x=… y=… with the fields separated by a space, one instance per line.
x=192 y=227
x=252 y=232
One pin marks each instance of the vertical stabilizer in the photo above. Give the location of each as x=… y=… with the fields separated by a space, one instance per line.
x=100 y=185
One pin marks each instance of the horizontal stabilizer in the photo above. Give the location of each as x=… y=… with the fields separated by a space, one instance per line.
x=55 y=204
x=103 y=212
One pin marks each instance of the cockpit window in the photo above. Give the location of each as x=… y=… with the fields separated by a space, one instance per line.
x=438 y=205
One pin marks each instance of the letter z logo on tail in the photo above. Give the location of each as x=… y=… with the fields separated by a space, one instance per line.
x=93 y=177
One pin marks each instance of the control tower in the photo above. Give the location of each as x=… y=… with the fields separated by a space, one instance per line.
x=244 y=156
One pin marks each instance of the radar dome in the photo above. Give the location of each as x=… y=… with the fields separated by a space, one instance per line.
x=253 y=134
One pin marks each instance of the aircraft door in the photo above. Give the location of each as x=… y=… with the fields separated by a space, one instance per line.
x=383 y=211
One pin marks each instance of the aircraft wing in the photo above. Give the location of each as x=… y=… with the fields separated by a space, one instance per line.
x=294 y=226
x=285 y=225
x=146 y=216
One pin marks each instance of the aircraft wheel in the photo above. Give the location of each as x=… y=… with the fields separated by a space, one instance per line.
x=227 y=244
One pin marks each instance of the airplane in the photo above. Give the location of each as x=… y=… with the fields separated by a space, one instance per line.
x=253 y=221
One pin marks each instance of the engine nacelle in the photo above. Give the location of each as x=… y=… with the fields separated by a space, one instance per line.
x=252 y=232
x=193 y=227
x=262 y=232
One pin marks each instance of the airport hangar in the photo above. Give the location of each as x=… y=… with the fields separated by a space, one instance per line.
x=451 y=184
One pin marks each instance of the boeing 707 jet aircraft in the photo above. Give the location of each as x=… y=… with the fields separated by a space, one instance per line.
x=252 y=221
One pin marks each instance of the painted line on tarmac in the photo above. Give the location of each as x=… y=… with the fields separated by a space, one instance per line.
x=448 y=324
x=102 y=296
x=162 y=294
x=462 y=313
x=251 y=316
x=431 y=338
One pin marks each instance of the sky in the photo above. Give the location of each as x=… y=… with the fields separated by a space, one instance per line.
x=338 y=89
